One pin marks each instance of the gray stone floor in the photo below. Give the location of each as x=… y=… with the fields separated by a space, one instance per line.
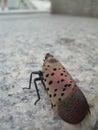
x=24 y=41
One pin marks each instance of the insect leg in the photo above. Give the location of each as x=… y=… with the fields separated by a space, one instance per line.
x=41 y=78
x=43 y=84
x=36 y=79
x=30 y=81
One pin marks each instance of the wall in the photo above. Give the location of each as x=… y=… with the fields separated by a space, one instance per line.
x=75 y=7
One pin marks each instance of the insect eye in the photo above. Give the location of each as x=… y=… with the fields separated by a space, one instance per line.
x=47 y=55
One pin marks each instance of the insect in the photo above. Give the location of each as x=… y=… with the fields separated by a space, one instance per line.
x=66 y=98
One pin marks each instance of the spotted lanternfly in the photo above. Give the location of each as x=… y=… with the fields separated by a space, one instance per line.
x=66 y=98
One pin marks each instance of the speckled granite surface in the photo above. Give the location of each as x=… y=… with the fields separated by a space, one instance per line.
x=24 y=41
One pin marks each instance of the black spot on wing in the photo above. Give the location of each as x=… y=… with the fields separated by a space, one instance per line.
x=47 y=75
x=54 y=105
x=46 y=69
x=45 y=80
x=54 y=69
x=47 y=89
x=62 y=80
x=61 y=74
x=55 y=90
x=50 y=95
x=62 y=94
x=59 y=99
x=50 y=82
x=52 y=74
x=58 y=81
x=54 y=95
x=70 y=81
x=64 y=89
x=67 y=85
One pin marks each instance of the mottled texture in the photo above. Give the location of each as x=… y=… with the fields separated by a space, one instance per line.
x=74 y=107
x=67 y=99
x=24 y=41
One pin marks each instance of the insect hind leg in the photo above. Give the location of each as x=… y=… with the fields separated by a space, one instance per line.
x=38 y=95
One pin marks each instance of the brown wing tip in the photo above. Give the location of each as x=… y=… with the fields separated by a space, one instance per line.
x=74 y=108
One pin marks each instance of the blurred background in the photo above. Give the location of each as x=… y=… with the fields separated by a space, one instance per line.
x=9 y=5
x=69 y=7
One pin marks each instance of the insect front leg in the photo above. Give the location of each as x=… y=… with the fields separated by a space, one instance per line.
x=40 y=78
x=30 y=81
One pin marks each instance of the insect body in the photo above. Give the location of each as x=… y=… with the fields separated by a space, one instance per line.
x=67 y=99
